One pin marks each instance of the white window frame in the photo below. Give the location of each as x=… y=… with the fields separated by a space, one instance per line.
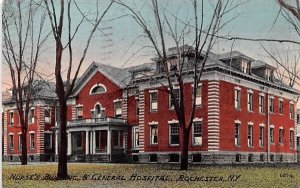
x=280 y=106
x=245 y=67
x=47 y=119
x=250 y=101
x=118 y=109
x=237 y=134
x=135 y=137
x=199 y=134
x=272 y=135
x=153 y=101
x=97 y=85
x=198 y=100
x=11 y=118
x=292 y=139
x=292 y=111
x=237 y=98
x=11 y=141
x=174 y=134
x=271 y=105
x=250 y=135
x=281 y=135
x=20 y=141
x=261 y=136
x=31 y=141
x=261 y=104
x=153 y=127
x=31 y=116
x=77 y=112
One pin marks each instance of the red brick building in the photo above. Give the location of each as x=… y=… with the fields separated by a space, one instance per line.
x=41 y=118
x=243 y=114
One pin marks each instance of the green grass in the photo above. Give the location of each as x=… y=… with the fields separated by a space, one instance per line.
x=168 y=175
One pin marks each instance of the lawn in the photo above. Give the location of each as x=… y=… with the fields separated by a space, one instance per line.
x=150 y=175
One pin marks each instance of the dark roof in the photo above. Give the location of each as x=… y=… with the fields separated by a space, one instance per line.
x=258 y=64
x=42 y=89
x=233 y=55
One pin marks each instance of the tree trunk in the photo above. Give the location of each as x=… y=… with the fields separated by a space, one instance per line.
x=24 y=144
x=185 y=149
x=62 y=172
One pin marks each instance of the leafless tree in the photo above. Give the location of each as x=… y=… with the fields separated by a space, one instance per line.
x=64 y=90
x=23 y=38
x=202 y=30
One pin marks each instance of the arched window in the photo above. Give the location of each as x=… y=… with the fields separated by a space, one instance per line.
x=98 y=89
x=97 y=111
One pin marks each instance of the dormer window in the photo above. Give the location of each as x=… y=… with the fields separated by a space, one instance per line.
x=98 y=89
x=245 y=67
x=269 y=75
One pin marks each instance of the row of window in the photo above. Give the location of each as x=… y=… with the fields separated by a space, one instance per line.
x=99 y=112
x=47 y=141
x=261 y=101
x=237 y=136
x=47 y=116
x=153 y=98
x=173 y=135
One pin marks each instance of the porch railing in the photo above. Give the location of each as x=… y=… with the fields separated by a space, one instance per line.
x=97 y=120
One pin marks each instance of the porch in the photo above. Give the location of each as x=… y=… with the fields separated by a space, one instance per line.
x=95 y=140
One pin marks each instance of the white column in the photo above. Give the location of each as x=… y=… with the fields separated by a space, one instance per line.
x=69 y=144
x=56 y=143
x=87 y=142
x=91 y=142
x=94 y=141
x=124 y=139
x=108 y=141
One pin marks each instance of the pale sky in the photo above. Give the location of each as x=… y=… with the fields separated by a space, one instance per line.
x=255 y=19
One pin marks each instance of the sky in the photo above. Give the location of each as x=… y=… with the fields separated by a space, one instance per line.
x=117 y=44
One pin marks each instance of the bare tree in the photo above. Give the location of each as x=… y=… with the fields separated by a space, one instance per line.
x=23 y=38
x=203 y=38
x=64 y=90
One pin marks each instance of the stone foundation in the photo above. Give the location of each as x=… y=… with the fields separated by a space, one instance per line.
x=30 y=158
x=216 y=158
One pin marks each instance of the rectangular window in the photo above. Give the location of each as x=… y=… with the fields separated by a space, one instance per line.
x=135 y=137
x=298 y=119
x=292 y=139
x=292 y=115
x=118 y=108
x=47 y=115
x=245 y=67
x=237 y=135
x=271 y=105
x=48 y=141
x=271 y=135
x=261 y=136
x=11 y=142
x=20 y=141
x=137 y=107
x=153 y=101
x=153 y=134
x=198 y=101
x=11 y=118
x=280 y=136
x=237 y=99
x=174 y=134
x=176 y=95
x=250 y=102
x=197 y=134
x=261 y=104
x=280 y=107
x=31 y=140
x=250 y=135
x=31 y=116
x=79 y=112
